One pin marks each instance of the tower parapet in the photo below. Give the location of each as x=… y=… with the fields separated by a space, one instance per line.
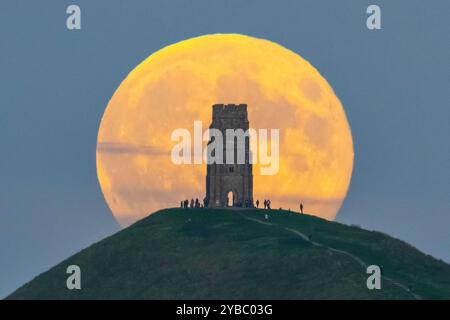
x=230 y=111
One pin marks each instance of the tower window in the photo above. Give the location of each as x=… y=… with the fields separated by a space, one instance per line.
x=231 y=169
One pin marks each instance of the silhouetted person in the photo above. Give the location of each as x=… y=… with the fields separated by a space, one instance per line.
x=181 y=204
x=257 y=203
x=301 y=207
x=192 y=203
x=205 y=202
x=268 y=204
x=197 y=203
x=265 y=204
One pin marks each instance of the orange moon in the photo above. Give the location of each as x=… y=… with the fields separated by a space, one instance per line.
x=178 y=85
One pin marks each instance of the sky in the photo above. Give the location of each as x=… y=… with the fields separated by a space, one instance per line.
x=56 y=83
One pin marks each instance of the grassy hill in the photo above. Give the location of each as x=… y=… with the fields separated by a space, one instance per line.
x=238 y=254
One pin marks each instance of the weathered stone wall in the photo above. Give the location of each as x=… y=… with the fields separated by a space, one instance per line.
x=223 y=178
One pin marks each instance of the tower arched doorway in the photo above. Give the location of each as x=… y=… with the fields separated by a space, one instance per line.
x=230 y=199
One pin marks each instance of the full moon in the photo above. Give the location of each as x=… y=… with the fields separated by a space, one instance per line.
x=178 y=85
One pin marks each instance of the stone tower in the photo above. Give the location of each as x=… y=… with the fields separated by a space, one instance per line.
x=230 y=184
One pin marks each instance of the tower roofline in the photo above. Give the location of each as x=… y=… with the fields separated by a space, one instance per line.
x=230 y=110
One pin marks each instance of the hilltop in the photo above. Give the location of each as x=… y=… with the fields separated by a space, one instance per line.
x=238 y=254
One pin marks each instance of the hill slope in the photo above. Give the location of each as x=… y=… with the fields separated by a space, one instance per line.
x=238 y=254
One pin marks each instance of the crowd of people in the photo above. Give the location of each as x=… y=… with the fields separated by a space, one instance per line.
x=248 y=204
x=193 y=203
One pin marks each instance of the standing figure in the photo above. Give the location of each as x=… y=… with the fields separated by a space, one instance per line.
x=257 y=203
x=301 y=207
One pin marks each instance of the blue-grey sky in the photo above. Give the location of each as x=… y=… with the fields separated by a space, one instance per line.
x=55 y=84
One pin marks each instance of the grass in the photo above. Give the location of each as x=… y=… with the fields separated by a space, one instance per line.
x=219 y=254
